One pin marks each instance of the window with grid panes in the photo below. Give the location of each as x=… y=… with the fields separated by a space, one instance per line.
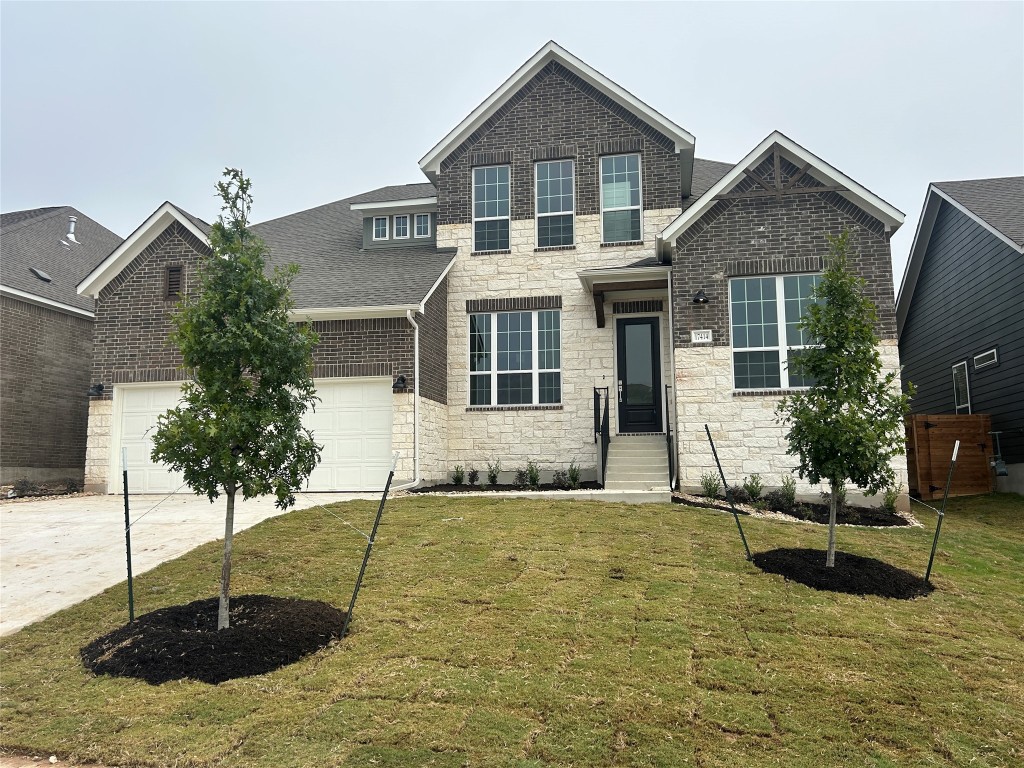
x=515 y=358
x=765 y=315
x=555 y=207
x=402 y=226
x=621 y=218
x=491 y=208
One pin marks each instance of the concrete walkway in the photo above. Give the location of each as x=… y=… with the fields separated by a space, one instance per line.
x=59 y=551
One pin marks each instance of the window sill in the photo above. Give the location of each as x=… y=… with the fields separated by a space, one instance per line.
x=491 y=253
x=484 y=408
x=777 y=392
x=621 y=244
x=544 y=248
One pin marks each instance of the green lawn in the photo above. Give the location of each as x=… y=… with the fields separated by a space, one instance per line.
x=499 y=638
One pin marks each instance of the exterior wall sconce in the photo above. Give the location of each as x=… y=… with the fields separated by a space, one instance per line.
x=96 y=390
x=700 y=297
x=399 y=385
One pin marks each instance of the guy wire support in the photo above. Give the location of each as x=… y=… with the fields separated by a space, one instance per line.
x=728 y=492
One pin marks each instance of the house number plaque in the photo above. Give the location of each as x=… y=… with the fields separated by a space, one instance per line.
x=700 y=337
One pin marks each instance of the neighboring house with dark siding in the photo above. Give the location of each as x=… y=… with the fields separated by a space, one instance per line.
x=960 y=312
x=46 y=340
x=566 y=246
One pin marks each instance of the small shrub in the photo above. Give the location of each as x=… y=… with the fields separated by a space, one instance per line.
x=492 y=472
x=24 y=487
x=778 y=500
x=532 y=474
x=473 y=476
x=739 y=494
x=890 y=497
x=521 y=478
x=574 y=475
x=458 y=475
x=561 y=480
x=789 y=490
x=752 y=485
x=711 y=485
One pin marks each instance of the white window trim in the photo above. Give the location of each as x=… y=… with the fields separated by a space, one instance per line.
x=780 y=317
x=640 y=187
x=538 y=215
x=967 y=387
x=415 y=218
x=534 y=360
x=994 y=361
x=387 y=228
x=408 y=232
x=472 y=181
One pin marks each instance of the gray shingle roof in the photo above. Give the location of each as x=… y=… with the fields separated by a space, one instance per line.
x=999 y=202
x=706 y=173
x=33 y=239
x=202 y=225
x=327 y=244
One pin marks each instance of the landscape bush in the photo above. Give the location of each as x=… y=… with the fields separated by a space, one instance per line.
x=711 y=485
x=458 y=475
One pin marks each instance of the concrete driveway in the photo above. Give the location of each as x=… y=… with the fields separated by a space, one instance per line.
x=59 y=551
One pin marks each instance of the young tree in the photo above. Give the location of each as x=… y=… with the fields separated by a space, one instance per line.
x=238 y=427
x=849 y=424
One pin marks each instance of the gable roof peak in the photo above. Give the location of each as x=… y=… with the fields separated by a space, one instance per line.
x=551 y=51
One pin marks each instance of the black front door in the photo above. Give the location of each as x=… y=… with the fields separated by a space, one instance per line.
x=639 y=381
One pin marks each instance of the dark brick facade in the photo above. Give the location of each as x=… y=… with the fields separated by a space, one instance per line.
x=557 y=114
x=44 y=380
x=761 y=236
x=133 y=326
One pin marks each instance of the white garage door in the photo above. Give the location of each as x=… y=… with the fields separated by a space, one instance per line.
x=138 y=408
x=353 y=424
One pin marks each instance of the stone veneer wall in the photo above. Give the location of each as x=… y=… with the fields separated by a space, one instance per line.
x=550 y=435
x=44 y=380
x=434 y=441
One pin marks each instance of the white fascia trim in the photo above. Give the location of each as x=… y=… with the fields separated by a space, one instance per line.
x=31 y=298
x=423 y=304
x=626 y=274
x=875 y=205
x=136 y=242
x=552 y=51
x=314 y=314
x=975 y=217
x=418 y=202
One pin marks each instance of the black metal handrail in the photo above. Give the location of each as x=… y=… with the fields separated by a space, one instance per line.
x=602 y=428
x=668 y=438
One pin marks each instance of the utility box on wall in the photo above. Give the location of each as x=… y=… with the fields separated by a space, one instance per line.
x=930 y=440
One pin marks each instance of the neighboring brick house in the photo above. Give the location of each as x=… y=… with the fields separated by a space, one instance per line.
x=555 y=257
x=960 y=311
x=46 y=341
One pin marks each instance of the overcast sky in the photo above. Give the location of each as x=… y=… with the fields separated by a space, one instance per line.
x=114 y=108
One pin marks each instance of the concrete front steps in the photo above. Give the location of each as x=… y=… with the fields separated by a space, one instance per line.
x=637 y=463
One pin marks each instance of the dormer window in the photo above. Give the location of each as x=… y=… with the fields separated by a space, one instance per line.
x=380 y=227
x=555 y=203
x=402 y=227
x=422 y=225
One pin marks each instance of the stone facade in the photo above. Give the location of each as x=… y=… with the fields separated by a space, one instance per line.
x=44 y=381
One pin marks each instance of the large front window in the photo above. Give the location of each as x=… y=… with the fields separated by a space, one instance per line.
x=766 y=333
x=515 y=358
x=491 y=208
x=620 y=199
x=555 y=203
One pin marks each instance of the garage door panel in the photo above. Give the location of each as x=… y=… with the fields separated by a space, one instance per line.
x=139 y=408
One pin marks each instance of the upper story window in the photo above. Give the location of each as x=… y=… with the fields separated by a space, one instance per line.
x=765 y=317
x=380 y=227
x=422 y=225
x=491 y=208
x=515 y=358
x=621 y=217
x=402 y=226
x=555 y=203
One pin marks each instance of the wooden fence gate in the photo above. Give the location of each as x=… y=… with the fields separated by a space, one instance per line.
x=930 y=447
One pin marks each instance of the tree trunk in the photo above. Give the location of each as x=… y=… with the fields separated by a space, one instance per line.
x=833 y=508
x=225 y=569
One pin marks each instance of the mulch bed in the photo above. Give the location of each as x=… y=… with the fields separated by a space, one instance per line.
x=182 y=641
x=466 y=488
x=852 y=574
x=875 y=517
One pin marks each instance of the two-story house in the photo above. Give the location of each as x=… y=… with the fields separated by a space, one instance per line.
x=569 y=253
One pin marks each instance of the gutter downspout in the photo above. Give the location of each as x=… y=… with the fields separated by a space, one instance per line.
x=415 y=404
x=673 y=481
